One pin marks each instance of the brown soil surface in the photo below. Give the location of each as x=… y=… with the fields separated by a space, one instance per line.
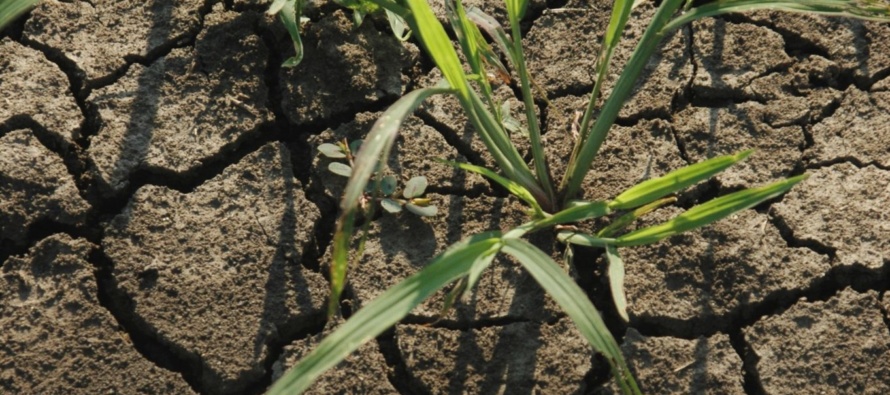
x=165 y=217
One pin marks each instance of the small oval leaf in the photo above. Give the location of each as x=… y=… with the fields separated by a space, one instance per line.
x=331 y=151
x=391 y=206
x=388 y=185
x=340 y=169
x=415 y=187
x=425 y=211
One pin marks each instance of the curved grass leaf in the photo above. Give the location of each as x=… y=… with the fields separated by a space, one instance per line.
x=708 y=212
x=577 y=212
x=874 y=10
x=398 y=25
x=575 y=303
x=290 y=13
x=378 y=143
x=11 y=9
x=432 y=35
x=616 y=281
x=628 y=218
x=653 y=189
x=514 y=187
x=581 y=239
x=387 y=309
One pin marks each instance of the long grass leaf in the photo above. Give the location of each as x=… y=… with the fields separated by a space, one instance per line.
x=616 y=281
x=11 y=9
x=378 y=143
x=432 y=35
x=575 y=303
x=874 y=10
x=579 y=212
x=580 y=164
x=289 y=13
x=514 y=188
x=651 y=190
x=581 y=239
x=386 y=310
x=708 y=212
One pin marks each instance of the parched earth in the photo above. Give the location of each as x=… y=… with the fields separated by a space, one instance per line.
x=165 y=217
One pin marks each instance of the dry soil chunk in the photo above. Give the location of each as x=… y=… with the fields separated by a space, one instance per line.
x=401 y=245
x=56 y=337
x=33 y=87
x=185 y=107
x=709 y=132
x=859 y=129
x=860 y=48
x=216 y=272
x=517 y=358
x=342 y=68
x=101 y=36
x=668 y=365
x=837 y=346
x=34 y=186
x=690 y=281
x=844 y=208
x=363 y=372
x=731 y=56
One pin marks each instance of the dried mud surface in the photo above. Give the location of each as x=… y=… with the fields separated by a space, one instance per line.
x=165 y=217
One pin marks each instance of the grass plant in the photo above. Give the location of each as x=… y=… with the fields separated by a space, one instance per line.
x=551 y=203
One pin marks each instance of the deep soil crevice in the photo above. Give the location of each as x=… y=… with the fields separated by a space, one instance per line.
x=751 y=377
x=852 y=160
x=399 y=377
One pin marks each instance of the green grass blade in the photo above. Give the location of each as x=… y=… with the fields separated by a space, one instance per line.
x=651 y=190
x=386 y=310
x=378 y=143
x=514 y=188
x=874 y=10
x=432 y=35
x=581 y=239
x=398 y=25
x=515 y=10
x=575 y=303
x=11 y=9
x=709 y=212
x=580 y=164
x=628 y=218
x=616 y=281
x=620 y=12
x=579 y=212
x=289 y=12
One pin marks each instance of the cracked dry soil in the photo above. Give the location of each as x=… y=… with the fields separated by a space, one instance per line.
x=165 y=218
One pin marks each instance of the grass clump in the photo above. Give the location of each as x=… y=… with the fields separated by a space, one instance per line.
x=553 y=204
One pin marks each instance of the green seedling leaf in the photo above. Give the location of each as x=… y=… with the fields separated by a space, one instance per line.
x=11 y=9
x=578 y=212
x=514 y=187
x=432 y=35
x=414 y=187
x=616 y=281
x=388 y=185
x=386 y=310
x=378 y=144
x=651 y=190
x=874 y=10
x=340 y=169
x=290 y=13
x=276 y=6
x=332 y=151
x=575 y=303
x=516 y=10
x=398 y=25
x=585 y=240
x=391 y=206
x=709 y=212
x=423 y=211
x=632 y=216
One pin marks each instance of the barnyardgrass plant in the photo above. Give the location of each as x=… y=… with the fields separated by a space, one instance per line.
x=551 y=204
